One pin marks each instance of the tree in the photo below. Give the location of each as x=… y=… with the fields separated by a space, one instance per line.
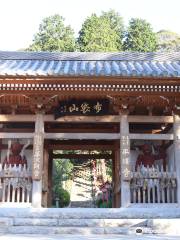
x=97 y=35
x=140 y=36
x=117 y=24
x=53 y=35
x=168 y=41
x=62 y=171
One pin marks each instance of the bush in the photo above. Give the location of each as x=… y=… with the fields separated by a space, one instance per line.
x=102 y=204
x=64 y=197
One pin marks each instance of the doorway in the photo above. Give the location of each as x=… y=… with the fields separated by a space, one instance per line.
x=83 y=174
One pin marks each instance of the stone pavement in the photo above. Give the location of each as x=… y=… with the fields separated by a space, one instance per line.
x=90 y=237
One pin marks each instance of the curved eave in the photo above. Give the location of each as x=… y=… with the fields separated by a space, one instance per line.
x=96 y=68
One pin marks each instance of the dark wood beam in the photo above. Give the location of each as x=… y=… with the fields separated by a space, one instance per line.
x=82 y=145
x=82 y=156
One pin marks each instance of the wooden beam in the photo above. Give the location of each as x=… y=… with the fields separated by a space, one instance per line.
x=152 y=136
x=78 y=129
x=111 y=118
x=17 y=118
x=86 y=119
x=150 y=119
x=82 y=156
x=16 y=135
x=81 y=147
x=96 y=136
x=83 y=119
x=107 y=136
x=88 y=80
x=80 y=142
x=86 y=136
x=17 y=130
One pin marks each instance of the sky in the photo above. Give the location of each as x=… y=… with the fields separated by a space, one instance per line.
x=20 y=19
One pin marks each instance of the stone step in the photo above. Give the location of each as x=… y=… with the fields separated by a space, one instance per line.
x=92 y=213
x=165 y=226
x=77 y=230
x=64 y=225
x=6 y=222
x=3 y=230
x=79 y=222
x=81 y=204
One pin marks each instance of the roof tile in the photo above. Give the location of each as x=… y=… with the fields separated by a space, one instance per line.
x=90 y=64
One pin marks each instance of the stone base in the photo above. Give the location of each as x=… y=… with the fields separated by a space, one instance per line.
x=129 y=221
x=92 y=213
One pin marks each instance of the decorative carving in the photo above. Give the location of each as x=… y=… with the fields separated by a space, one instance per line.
x=124 y=104
x=146 y=181
x=43 y=102
x=16 y=183
x=149 y=102
x=27 y=102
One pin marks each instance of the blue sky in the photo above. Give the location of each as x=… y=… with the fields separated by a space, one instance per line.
x=20 y=19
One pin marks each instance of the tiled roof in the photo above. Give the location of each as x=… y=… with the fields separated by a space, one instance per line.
x=90 y=64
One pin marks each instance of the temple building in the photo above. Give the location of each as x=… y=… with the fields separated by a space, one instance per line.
x=126 y=106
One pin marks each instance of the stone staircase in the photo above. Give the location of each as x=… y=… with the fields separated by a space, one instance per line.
x=81 y=193
x=89 y=221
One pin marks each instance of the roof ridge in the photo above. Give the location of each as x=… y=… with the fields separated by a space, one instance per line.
x=90 y=56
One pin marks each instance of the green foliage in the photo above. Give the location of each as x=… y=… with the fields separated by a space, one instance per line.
x=64 y=197
x=98 y=35
x=101 y=204
x=104 y=33
x=53 y=35
x=168 y=41
x=117 y=24
x=140 y=36
x=109 y=168
x=62 y=171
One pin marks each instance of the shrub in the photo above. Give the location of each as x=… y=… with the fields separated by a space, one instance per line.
x=64 y=197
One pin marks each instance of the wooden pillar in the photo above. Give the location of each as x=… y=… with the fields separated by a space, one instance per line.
x=50 y=183
x=177 y=153
x=38 y=146
x=113 y=181
x=125 y=161
x=45 y=175
x=116 y=202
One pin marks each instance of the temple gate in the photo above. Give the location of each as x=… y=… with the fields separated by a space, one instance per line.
x=128 y=103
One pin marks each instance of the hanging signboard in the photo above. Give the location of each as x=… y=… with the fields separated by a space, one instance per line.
x=82 y=107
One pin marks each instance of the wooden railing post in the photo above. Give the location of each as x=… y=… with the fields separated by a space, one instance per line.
x=38 y=145
x=177 y=153
x=125 y=161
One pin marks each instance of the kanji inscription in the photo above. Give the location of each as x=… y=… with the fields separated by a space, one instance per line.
x=125 y=154
x=82 y=107
x=37 y=157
